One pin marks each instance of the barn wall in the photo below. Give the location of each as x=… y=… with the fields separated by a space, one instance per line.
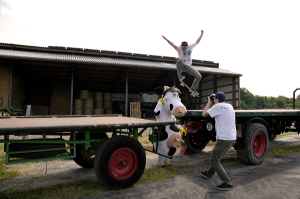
x=225 y=84
x=4 y=86
x=18 y=93
x=18 y=90
x=60 y=103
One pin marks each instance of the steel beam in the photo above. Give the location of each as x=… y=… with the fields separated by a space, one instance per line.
x=10 y=85
x=72 y=89
x=126 y=94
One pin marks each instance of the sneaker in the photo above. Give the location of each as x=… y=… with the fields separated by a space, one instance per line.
x=195 y=91
x=181 y=77
x=225 y=186
x=205 y=175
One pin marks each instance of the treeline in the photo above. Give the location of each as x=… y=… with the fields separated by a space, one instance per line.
x=250 y=101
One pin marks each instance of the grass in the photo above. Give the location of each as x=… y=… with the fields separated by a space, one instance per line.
x=288 y=133
x=84 y=188
x=4 y=174
x=80 y=188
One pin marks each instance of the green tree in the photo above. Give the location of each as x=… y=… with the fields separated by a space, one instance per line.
x=250 y=101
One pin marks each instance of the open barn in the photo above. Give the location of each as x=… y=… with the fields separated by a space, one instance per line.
x=54 y=79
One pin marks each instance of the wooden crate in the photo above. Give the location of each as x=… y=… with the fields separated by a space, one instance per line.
x=135 y=109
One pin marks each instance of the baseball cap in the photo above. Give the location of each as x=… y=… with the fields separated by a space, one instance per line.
x=220 y=95
x=184 y=43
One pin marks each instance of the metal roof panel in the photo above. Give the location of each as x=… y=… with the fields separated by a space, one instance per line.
x=20 y=54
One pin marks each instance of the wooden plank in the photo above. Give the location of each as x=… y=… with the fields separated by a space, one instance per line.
x=74 y=123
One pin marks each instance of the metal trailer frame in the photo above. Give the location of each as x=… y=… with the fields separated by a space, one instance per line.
x=255 y=128
x=88 y=126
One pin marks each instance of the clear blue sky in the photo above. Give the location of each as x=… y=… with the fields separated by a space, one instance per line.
x=259 y=39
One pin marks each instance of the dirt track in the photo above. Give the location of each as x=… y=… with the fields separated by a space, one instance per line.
x=189 y=186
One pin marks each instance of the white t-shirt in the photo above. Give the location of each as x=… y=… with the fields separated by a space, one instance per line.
x=187 y=55
x=225 y=121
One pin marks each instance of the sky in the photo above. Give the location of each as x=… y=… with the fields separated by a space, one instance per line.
x=259 y=39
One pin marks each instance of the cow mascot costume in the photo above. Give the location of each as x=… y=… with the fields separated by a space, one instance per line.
x=168 y=107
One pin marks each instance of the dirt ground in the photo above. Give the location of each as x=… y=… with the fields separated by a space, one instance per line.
x=277 y=174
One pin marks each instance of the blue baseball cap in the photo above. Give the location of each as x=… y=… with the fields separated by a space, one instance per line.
x=220 y=95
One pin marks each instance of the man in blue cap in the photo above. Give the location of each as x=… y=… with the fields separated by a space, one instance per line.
x=225 y=135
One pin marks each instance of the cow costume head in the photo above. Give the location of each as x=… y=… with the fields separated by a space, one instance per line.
x=168 y=107
x=171 y=105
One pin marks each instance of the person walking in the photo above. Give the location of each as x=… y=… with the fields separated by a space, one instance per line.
x=225 y=135
x=184 y=62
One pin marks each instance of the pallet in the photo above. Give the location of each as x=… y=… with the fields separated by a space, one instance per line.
x=135 y=109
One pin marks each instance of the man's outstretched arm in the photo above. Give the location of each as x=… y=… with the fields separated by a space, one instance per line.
x=199 y=39
x=173 y=45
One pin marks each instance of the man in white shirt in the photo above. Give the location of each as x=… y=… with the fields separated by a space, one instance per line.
x=184 y=62
x=225 y=135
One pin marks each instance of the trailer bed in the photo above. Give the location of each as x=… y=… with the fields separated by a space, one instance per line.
x=251 y=113
x=31 y=124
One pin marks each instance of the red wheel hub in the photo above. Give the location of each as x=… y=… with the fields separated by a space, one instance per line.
x=259 y=144
x=122 y=163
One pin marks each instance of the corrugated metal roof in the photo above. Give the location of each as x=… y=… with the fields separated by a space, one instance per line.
x=18 y=54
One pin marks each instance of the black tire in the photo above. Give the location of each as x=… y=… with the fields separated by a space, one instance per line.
x=272 y=136
x=83 y=156
x=195 y=142
x=120 y=162
x=256 y=145
x=13 y=147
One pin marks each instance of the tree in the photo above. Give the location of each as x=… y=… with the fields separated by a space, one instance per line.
x=298 y=98
x=249 y=101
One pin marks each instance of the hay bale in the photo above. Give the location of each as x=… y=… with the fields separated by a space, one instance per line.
x=99 y=104
x=88 y=111
x=88 y=103
x=84 y=94
x=78 y=111
x=78 y=103
x=99 y=111
x=98 y=96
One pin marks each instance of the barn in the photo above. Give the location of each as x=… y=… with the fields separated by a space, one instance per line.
x=58 y=80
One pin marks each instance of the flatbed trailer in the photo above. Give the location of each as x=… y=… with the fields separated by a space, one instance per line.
x=255 y=128
x=119 y=159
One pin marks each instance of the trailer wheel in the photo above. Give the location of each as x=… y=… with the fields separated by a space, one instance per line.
x=256 y=145
x=83 y=156
x=120 y=162
x=195 y=142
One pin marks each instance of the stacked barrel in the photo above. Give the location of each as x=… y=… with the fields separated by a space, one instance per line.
x=90 y=103
x=107 y=103
x=99 y=103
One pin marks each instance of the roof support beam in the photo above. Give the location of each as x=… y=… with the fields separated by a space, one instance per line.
x=72 y=88
x=10 y=84
x=126 y=94
x=159 y=79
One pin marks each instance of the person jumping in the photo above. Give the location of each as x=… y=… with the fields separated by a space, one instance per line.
x=184 y=62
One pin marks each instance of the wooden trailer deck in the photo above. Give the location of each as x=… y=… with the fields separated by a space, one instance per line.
x=31 y=124
x=252 y=113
